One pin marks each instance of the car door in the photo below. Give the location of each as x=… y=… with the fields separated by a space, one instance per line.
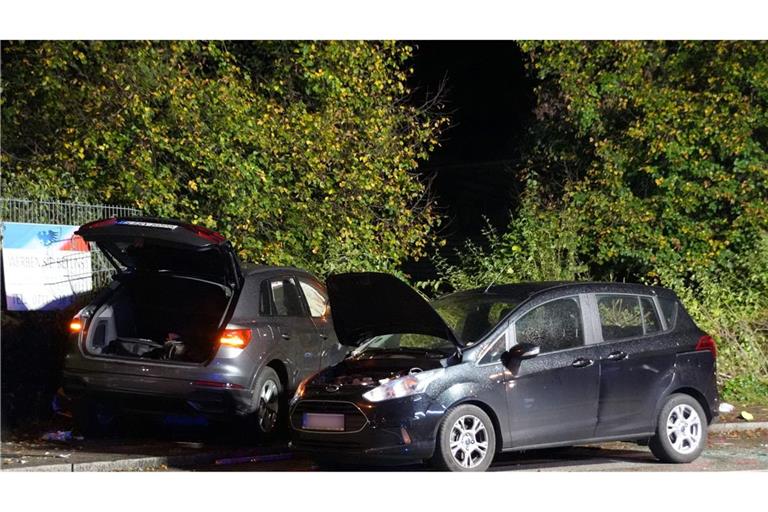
x=290 y=318
x=636 y=363
x=316 y=299
x=552 y=397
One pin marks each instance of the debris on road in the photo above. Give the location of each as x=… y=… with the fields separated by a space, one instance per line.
x=63 y=436
x=58 y=455
x=746 y=416
x=726 y=407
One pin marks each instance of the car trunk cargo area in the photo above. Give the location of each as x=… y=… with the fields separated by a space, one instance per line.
x=159 y=317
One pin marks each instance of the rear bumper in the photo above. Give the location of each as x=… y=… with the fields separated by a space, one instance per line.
x=395 y=431
x=157 y=395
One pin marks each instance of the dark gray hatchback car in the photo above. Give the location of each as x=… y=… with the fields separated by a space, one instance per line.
x=184 y=328
x=505 y=368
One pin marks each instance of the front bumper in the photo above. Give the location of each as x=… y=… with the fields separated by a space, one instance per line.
x=400 y=430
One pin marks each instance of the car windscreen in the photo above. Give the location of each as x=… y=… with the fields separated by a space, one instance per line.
x=470 y=316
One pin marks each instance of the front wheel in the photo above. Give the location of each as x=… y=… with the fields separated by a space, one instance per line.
x=681 y=431
x=466 y=440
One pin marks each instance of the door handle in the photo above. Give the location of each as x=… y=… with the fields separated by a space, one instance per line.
x=616 y=356
x=582 y=362
x=285 y=336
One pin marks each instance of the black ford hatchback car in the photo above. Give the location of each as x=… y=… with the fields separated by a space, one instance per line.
x=509 y=367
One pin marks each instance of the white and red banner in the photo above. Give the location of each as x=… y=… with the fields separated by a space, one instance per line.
x=44 y=266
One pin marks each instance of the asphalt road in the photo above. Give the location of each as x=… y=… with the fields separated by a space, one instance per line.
x=726 y=452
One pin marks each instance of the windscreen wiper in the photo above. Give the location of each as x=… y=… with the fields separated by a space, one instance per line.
x=407 y=350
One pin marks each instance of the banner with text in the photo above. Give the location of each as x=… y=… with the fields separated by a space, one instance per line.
x=44 y=266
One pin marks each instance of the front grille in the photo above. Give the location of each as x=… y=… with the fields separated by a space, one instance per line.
x=354 y=419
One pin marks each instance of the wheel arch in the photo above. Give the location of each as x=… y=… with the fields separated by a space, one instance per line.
x=692 y=392
x=281 y=370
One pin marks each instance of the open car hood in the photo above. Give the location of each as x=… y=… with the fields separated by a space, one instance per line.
x=368 y=304
x=145 y=244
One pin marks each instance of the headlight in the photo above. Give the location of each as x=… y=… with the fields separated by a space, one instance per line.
x=408 y=385
x=302 y=387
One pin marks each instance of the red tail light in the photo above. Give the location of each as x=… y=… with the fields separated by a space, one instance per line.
x=237 y=338
x=706 y=342
x=206 y=233
x=100 y=223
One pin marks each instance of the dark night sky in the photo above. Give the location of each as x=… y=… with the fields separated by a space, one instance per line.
x=490 y=99
x=488 y=94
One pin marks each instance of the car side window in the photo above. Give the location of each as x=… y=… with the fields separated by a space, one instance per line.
x=316 y=298
x=626 y=316
x=555 y=325
x=493 y=353
x=280 y=297
x=669 y=310
x=651 y=323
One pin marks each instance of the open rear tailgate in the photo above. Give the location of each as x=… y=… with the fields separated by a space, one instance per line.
x=145 y=244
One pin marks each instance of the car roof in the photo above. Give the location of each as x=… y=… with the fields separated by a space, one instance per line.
x=528 y=289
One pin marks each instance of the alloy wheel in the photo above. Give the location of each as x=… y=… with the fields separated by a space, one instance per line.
x=268 y=406
x=469 y=441
x=684 y=428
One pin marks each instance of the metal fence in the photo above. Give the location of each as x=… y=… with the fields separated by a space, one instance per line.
x=73 y=214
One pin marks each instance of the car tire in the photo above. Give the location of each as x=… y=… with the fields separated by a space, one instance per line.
x=466 y=440
x=681 y=430
x=269 y=417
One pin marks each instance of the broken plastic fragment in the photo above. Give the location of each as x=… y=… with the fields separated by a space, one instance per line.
x=726 y=407
x=746 y=416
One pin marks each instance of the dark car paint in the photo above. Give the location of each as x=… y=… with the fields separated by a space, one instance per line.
x=538 y=402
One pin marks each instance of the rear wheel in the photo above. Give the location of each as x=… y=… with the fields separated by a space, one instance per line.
x=269 y=415
x=466 y=440
x=681 y=431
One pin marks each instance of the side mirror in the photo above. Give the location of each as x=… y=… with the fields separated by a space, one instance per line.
x=523 y=351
